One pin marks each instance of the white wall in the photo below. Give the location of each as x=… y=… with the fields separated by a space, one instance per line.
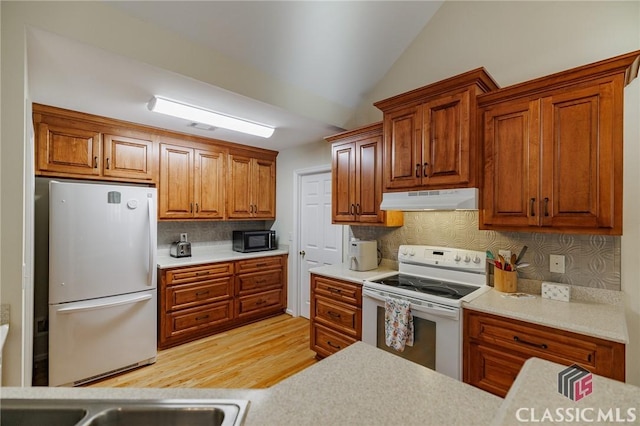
x=290 y=160
x=518 y=41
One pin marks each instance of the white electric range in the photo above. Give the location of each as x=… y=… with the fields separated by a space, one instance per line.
x=435 y=280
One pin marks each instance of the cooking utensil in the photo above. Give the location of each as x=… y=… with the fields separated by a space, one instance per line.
x=521 y=254
x=513 y=259
x=490 y=255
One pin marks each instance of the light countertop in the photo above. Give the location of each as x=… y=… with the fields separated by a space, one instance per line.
x=534 y=398
x=360 y=385
x=592 y=316
x=363 y=385
x=341 y=271
x=211 y=253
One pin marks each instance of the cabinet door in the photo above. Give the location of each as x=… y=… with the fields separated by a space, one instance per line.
x=239 y=187
x=343 y=182
x=263 y=176
x=446 y=153
x=368 y=185
x=581 y=132
x=176 y=182
x=208 y=184
x=68 y=150
x=129 y=158
x=511 y=165
x=403 y=148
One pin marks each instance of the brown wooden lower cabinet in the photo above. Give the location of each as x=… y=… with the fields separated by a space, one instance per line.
x=495 y=348
x=197 y=301
x=336 y=314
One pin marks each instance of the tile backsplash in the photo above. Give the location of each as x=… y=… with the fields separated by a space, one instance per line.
x=201 y=233
x=590 y=260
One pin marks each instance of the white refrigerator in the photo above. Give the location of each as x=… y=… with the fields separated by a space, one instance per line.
x=102 y=280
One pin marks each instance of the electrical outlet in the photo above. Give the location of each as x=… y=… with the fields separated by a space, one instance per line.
x=556 y=291
x=556 y=263
x=183 y=237
x=506 y=254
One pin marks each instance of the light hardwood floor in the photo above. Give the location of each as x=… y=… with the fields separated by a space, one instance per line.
x=256 y=355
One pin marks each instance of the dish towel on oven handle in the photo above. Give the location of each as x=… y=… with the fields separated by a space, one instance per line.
x=398 y=323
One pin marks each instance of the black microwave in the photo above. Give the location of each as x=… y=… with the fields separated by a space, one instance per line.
x=249 y=241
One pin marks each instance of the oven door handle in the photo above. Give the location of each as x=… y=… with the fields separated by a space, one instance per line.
x=416 y=305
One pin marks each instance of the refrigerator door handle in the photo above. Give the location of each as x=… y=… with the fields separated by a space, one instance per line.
x=104 y=305
x=152 y=242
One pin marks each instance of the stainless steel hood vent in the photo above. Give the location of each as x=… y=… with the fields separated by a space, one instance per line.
x=442 y=199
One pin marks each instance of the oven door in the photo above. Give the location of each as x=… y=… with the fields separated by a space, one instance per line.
x=437 y=332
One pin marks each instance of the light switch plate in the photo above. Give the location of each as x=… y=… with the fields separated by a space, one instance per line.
x=556 y=291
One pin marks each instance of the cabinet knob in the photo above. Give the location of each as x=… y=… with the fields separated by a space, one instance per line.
x=302 y=253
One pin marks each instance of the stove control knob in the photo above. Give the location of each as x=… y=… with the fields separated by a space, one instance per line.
x=404 y=251
x=412 y=252
x=476 y=259
x=467 y=258
x=457 y=258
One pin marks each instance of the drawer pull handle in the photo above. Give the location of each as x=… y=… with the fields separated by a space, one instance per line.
x=203 y=273
x=95 y=162
x=261 y=302
x=333 y=346
x=535 y=345
x=202 y=317
x=425 y=167
x=261 y=281
x=260 y=265
x=417 y=170
x=335 y=290
x=202 y=293
x=333 y=314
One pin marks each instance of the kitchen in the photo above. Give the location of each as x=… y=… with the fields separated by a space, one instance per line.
x=613 y=24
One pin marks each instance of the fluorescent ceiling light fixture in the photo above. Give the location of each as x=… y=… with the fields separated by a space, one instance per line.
x=200 y=115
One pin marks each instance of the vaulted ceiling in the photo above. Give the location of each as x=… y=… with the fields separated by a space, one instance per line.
x=337 y=50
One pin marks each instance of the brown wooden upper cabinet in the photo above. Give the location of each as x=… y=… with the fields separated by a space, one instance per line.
x=430 y=134
x=191 y=182
x=356 y=178
x=71 y=144
x=552 y=151
x=251 y=187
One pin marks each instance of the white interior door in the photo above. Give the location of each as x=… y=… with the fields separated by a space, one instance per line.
x=320 y=241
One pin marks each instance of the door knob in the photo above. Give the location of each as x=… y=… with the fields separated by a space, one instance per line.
x=302 y=253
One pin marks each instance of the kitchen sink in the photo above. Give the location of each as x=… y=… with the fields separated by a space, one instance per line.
x=175 y=412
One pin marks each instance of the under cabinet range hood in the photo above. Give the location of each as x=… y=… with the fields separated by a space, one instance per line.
x=440 y=199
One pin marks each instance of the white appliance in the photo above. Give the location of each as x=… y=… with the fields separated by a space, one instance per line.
x=363 y=255
x=102 y=280
x=437 y=199
x=435 y=280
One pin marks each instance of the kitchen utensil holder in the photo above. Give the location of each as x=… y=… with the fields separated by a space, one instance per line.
x=505 y=281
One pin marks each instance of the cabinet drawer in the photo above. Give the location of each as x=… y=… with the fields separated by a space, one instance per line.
x=268 y=300
x=191 y=320
x=537 y=341
x=337 y=290
x=325 y=341
x=258 y=281
x=258 y=264
x=494 y=369
x=200 y=293
x=343 y=317
x=197 y=273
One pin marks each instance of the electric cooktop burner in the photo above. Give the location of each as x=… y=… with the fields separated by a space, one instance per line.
x=428 y=286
